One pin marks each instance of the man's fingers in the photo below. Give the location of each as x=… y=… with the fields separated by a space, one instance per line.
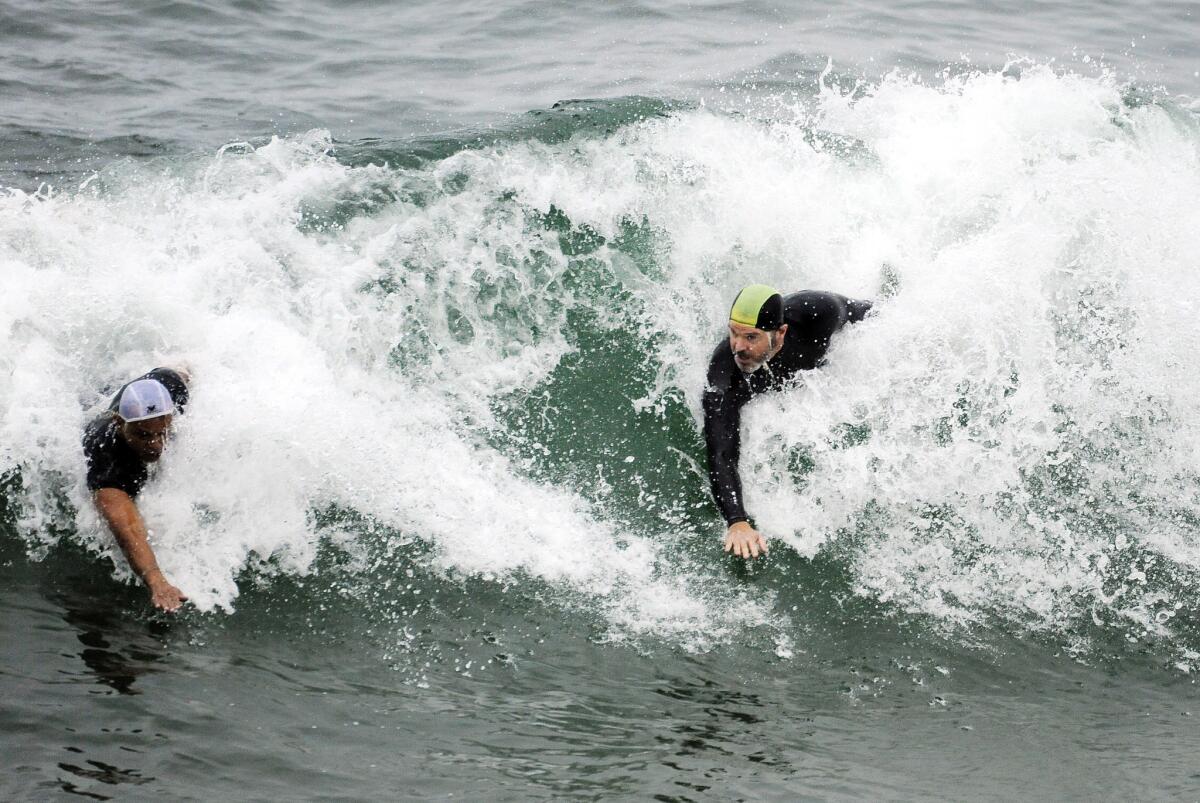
x=170 y=602
x=746 y=545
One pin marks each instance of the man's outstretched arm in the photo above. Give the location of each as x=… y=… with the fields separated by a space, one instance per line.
x=119 y=510
x=722 y=437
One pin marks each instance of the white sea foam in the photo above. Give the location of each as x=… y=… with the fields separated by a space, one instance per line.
x=1025 y=399
x=1038 y=237
x=309 y=390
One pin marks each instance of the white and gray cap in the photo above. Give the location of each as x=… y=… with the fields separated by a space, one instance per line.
x=143 y=399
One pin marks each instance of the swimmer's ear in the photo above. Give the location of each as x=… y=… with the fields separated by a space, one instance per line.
x=782 y=332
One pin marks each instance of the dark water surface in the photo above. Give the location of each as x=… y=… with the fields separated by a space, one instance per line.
x=448 y=276
x=294 y=696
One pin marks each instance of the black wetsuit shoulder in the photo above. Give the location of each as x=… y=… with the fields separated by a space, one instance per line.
x=812 y=317
x=110 y=461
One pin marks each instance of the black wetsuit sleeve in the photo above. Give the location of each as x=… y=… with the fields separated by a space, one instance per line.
x=106 y=474
x=722 y=437
x=857 y=309
x=108 y=464
x=722 y=402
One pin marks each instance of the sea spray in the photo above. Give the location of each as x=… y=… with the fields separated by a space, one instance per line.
x=1012 y=434
x=342 y=364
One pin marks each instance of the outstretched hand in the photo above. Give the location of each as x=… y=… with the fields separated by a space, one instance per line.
x=165 y=596
x=744 y=541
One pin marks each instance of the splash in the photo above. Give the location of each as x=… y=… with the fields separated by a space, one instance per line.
x=341 y=361
x=1013 y=434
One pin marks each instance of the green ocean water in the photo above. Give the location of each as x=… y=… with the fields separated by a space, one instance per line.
x=439 y=500
x=308 y=688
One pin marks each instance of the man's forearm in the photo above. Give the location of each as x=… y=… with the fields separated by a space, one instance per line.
x=727 y=489
x=125 y=522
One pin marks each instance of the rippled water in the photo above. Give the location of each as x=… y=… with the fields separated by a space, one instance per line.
x=448 y=277
x=143 y=76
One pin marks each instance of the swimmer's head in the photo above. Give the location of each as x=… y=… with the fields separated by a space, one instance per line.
x=756 y=327
x=759 y=306
x=145 y=410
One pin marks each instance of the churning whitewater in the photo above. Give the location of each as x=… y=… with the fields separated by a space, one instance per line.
x=391 y=346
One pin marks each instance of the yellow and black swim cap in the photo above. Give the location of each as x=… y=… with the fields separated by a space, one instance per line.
x=759 y=306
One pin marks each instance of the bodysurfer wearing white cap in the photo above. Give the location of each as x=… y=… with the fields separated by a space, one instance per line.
x=119 y=445
x=771 y=338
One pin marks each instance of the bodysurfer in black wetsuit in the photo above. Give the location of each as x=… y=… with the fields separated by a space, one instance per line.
x=770 y=339
x=119 y=444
